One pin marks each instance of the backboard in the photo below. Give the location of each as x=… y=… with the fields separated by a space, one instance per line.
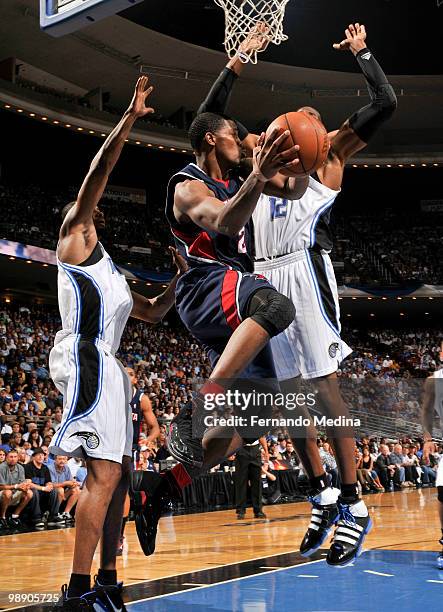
x=59 y=17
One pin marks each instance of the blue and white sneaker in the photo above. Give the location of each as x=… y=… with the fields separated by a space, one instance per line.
x=109 y=597
x=324 y=516
x=84 y=603
x=440 y=556
x=353 y=524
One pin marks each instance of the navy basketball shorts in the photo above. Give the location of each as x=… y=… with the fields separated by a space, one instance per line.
x=212 y=303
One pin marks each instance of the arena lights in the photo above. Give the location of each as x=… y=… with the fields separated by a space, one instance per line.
x=402 y=314
x=384 y=298
x=45 y=265
x=12 y=258
x=426 y=313
x=372 y=314
x=28 y=261
x=8 y=300
x=148 y=284
x=92 y=132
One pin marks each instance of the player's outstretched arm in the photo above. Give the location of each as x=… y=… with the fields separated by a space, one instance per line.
x=219 y=95
x=358 y=130
x=193 y=201
x=103 y=163
x=153 y=310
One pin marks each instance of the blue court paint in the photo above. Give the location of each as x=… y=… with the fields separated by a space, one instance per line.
x=348 y=589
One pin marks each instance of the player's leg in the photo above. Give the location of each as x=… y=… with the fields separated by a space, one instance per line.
x=246 y=312
x=241 y=483
x=439 y=484
x=109 y=590
x=254 y=470
x=101 y=481
x=322 y=495
x=72 y=497
x=126 y=508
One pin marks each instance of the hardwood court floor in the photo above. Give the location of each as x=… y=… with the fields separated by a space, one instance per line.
x=40 y=562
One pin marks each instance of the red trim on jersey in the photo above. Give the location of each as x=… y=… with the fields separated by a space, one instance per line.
x=203 y=247
x=228 y=301
x=225 y=183
x=185 y=237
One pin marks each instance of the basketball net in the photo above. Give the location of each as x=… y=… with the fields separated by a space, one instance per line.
x=241 y=16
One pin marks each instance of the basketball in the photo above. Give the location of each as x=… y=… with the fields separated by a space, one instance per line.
x=308 y=132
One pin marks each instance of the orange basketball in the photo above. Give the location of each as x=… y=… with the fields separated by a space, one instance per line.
x=308 y=132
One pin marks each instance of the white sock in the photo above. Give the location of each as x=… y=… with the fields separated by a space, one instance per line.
x=327 y=496
x=359 y=509
x=14 y=515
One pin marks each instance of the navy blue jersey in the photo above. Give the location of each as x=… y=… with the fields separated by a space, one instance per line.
x=202 y=247
x=136 y=416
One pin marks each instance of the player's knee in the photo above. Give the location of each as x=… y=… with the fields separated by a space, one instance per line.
x=271 y=310
x=440 y=494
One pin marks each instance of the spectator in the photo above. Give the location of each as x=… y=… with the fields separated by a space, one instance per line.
x=329 y=463
x=15 y=490
x=2 y=455
x=162 y=452
x=67 y=488
x=34 y=438
x=366 y=473
x=290 y=456
x=387 y=471
x=396 y=458
x=45 y=496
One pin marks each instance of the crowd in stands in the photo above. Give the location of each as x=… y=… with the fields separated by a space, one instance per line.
x=127 y=225
x=167 y=360
x=409 y=250
x=371 y=255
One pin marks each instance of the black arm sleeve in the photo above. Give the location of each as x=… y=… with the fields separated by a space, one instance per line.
x=368 y=119
x=218 y=97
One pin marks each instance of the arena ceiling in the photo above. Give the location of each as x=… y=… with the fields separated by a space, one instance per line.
x=406 y=34
x=109 y=54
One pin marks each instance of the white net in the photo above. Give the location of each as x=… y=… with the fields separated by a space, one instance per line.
x=243 y=16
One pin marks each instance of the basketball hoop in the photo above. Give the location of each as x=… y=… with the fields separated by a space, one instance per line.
x=242 y=16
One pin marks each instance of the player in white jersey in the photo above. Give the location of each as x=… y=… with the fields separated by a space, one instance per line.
x=433 y=404
x=95 y=302
x=293 y=242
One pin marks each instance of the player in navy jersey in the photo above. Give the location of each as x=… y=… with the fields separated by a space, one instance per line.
x=292 y=243
x=141 y=409
x=228 y=308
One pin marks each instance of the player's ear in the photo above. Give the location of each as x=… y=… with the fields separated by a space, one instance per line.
x=210 y=138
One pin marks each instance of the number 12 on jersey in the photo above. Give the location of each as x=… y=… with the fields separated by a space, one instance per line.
x=278 y=206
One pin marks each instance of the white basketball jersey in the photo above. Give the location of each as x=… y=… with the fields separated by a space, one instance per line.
x=94 y=301
x=438 y=402
x=284 y=226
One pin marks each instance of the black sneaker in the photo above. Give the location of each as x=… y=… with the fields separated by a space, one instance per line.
x=14 y=522
x=148 y=515
x=85 y=603
x=56 y=521
x=110 y=596
x=353 y=524
x=324 y=515
x=4 y=524
x=38 y=524
x=181 y=440
x=260 y=514
x=241 y=515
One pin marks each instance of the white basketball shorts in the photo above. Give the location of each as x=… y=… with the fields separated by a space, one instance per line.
x=311 y=345
x=97 y=418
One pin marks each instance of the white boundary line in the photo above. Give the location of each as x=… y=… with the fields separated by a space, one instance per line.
x=206 y=586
